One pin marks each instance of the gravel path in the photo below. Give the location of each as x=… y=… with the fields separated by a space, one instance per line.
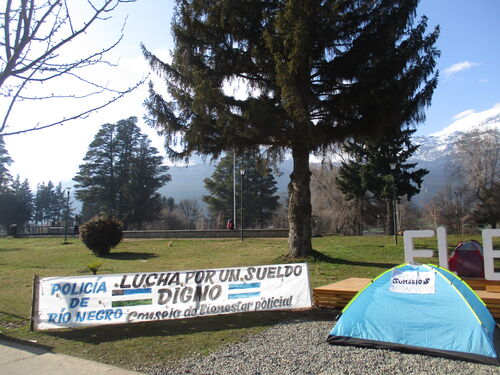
x=299 y=347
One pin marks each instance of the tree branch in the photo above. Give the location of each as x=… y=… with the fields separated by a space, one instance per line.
x=80 y=115
x=33 y=35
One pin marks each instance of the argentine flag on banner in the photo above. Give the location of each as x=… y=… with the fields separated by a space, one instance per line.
x=238 y=291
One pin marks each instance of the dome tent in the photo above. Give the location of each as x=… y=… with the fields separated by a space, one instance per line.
x=421 y=309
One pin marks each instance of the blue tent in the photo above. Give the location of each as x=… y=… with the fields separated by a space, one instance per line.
x=420 y=308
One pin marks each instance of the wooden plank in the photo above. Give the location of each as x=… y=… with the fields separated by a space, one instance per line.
x=476 y=284
x=493 y=288
x=353 y=284
x=488 y=296
x=338 y=294
x=483 y=284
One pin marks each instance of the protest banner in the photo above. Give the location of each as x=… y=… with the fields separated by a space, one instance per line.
x=62 y=302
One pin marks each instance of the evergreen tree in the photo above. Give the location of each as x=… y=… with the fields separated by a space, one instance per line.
x=259 y=190
x=146 y=174
x=5 y=161
x=41 y=203
x=368 y=175
x=58 y=202
x=24 y=201
x=16 y=198
x=7 y=204
x=49 y=204
x=121 y=174
x=317 y=72
x=168 y=203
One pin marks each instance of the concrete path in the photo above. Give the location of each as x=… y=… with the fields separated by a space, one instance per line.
x=20 y=359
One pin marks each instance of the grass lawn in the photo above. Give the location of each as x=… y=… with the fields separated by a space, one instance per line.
x=335 y=258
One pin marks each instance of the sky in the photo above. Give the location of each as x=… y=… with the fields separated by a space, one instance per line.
x=469 y=82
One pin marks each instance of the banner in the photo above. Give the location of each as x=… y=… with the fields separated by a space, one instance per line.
x=413 y=282
x=61 y=302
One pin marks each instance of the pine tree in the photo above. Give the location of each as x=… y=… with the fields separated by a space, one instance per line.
x=49 y=203
x=367 y=175
x=121 y=174
x=317 y=72
x=259 y=190
x=24 y=201
x=146 y=174
x=16 y=199
x=5 y=162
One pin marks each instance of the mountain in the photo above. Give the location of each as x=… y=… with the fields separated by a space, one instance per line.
x=436 y=150
x=434 y=154
x=187 y=181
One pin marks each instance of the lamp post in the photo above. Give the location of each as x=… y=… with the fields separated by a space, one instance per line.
x=234 y=188
x=67 y=214
x=394 y=212
x=242 y=173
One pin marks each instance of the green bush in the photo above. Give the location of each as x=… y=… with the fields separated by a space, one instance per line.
x=101 y=233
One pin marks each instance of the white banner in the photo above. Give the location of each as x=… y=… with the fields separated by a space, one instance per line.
x=413 y=282
x=79 y=301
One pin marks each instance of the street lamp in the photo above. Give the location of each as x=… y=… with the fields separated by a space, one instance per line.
x=242 y=172
x=394 y=213
x=234 y=188
x=67 y=214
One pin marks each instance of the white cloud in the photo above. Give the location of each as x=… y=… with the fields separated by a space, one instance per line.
x=458 y=67
x=463 y=114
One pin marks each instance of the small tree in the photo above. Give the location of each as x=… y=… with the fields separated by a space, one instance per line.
x=101 y=233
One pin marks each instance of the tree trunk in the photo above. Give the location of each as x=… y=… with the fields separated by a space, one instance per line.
x=299 y=205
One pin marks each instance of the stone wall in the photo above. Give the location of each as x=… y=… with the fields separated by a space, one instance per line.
x=216 y=233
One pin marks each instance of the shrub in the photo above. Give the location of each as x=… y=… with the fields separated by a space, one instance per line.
x=101 y=233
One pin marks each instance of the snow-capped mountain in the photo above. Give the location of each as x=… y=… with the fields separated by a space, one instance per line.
x=436 y=150
x=440 y=144
x=434 y=155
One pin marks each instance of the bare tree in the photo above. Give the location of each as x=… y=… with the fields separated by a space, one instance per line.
x=472 y=194
x=331 y=211
x=478 y=160
x=32 y=51
x=190 y=209
x=409 y=215
x=450 y=206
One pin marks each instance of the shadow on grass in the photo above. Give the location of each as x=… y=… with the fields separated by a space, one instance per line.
x=130 y=256
x=180 y=327
x=316 y=256
x=17 y=318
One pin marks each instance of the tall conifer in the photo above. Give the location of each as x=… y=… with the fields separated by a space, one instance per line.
x=368 y=175
x=120 y=175
x=259 y=190
x=317 y=72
